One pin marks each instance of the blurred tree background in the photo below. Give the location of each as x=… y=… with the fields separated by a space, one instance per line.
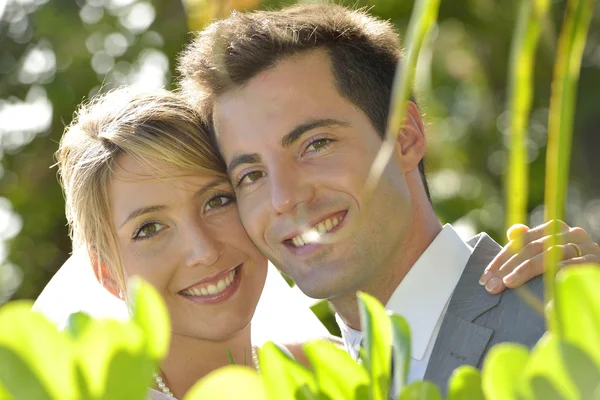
x=55 y=54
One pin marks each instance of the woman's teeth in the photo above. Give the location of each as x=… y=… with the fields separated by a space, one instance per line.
x=316 y=232
x=211 y=289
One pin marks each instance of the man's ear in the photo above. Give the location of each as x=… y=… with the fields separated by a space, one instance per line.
x=103 y=274
x=411 y=140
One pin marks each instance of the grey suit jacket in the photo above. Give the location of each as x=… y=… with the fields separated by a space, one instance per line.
x=477 y=320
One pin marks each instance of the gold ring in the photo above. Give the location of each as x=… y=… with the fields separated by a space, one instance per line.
x=577 y=249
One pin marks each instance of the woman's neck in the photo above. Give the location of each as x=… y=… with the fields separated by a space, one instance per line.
x=190 y=359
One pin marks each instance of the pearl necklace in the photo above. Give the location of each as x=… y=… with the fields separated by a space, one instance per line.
x=160 y=383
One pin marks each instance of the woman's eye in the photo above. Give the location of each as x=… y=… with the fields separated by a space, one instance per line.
x=148 y=230
x=251 y=177
x=218 y=202
x=317 y=145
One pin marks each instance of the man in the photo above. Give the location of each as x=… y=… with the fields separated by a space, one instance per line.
x=299 y=101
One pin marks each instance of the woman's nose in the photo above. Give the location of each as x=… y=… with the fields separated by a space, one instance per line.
x=204 y=248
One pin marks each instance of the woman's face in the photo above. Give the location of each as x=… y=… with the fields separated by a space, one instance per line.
x=183 y=235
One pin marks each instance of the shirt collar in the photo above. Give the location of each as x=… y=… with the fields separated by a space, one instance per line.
x=426 y=289
x=351 y=337
x=424 y=292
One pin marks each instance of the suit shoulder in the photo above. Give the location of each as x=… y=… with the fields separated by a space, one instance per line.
x=514 y=319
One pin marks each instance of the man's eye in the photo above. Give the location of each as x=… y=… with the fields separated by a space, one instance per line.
x=218 y=202
x=250 y=177
x=148 y=230
x=317 y=145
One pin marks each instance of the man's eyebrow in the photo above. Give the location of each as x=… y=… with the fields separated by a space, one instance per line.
x=141 y=211
x=301 y=129
x=243 y=159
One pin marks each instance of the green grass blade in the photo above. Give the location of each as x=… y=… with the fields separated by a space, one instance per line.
x=571 y=43
x=524 y=45
x=422 y=20
x=377 y=344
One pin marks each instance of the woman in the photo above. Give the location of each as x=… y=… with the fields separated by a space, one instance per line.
x=146 y=196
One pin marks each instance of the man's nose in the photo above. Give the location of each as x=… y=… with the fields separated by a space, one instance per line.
x=289 y=188
x=203 y=247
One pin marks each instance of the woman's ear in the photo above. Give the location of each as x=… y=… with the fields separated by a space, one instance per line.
x=103 y=274
x=411 y=140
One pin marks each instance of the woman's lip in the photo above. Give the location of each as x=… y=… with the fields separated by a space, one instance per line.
x=213 y=279
x=219 y=297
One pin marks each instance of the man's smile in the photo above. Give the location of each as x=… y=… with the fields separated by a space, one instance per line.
x=305 y=241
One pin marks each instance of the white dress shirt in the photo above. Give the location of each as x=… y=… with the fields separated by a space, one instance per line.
x=422 y=298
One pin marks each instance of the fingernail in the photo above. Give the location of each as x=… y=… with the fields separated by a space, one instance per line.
x=509 y=279
x=485 y=277
x=493 y=285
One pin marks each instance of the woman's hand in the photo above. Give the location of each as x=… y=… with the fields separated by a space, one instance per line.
x=522 y=259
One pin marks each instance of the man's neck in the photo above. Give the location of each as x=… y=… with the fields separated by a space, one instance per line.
x=190 y=359
x=424 y=230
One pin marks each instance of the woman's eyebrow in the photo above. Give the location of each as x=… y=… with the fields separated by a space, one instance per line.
x=211 y=185
x=141 y=211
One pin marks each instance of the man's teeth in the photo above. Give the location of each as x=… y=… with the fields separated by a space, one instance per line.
x=316 y=232
x=211 y=289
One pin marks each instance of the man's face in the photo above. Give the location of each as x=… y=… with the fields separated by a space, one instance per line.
x=298 y=155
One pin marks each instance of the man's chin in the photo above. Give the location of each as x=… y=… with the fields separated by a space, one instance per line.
x=322 y=286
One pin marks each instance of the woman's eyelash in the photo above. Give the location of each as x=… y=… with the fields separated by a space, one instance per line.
x=138 y=231
x=230 y=197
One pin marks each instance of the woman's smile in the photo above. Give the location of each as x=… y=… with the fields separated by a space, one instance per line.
x=216 y=289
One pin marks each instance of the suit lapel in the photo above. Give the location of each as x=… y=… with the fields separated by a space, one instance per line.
x=460 y=341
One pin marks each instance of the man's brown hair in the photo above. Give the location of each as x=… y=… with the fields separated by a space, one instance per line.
x=363 y=50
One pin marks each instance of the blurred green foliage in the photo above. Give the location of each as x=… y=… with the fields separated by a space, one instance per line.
x=106 y=359
x=91 y=359
x=54 y=54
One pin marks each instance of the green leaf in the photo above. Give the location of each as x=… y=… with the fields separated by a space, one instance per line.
x=377 y=354
x=4 y=394
x=465 y=384
x=546 y=371
x=400 y=350
x=232 y=382
x=150 y=314
x=21 y=379
x=129 y=376
x=99 y=344
x=577 y=289
x=78 y=323
x=503 y=370
x=563 y=367
x=338 y=375
x=420 y=391
x=582 y=370
x=36 y=360
x=283 y=377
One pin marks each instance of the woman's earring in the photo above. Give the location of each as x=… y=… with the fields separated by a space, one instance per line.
x=121 y=295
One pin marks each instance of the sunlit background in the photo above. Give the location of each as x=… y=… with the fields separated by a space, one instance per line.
x=55 y=54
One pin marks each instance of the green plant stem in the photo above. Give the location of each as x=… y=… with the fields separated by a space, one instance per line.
x=571 y=43
x=525 y=42
x=422 y=20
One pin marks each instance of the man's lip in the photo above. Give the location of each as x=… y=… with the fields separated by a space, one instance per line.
x=212 y=279
x=313 y=222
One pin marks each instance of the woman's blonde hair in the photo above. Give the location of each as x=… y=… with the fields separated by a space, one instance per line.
x=157 y=126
